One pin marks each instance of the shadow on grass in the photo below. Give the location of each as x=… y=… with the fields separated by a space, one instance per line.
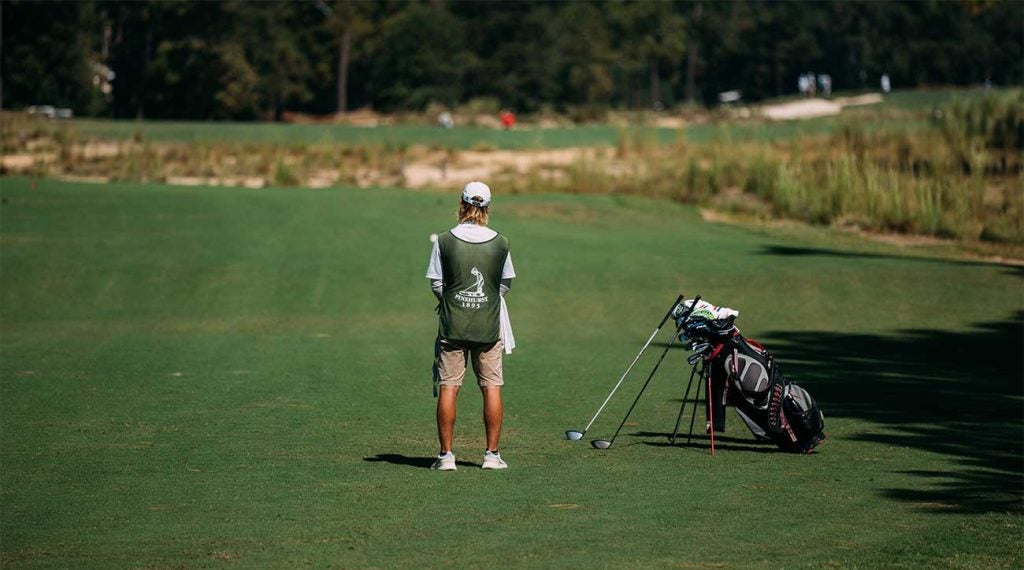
x=419 y=462
x=787 y=251
x=703 y=442
x=955 y=393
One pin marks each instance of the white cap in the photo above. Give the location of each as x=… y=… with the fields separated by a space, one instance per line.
x=477 y=194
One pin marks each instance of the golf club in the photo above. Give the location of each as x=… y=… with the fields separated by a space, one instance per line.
x=605 y=444
x=574 y=435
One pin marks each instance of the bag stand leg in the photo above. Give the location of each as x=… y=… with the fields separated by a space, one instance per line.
x=711 y=414
x=693 y=411
x=704 y=376
x=682 y=407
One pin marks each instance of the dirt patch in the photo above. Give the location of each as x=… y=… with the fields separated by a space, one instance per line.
x=96 y=179
x=811 y=108
x=670 y=122
x=25 y=161
x=238 y=181
x=97 y=149
x=806 y=109
x=865 y=99
x=323 y=179
x=442 y=172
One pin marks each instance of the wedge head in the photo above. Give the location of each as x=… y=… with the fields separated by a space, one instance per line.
x=601 y=443
x=573 y=435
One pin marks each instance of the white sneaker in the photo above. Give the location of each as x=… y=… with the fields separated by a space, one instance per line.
x=494 y=461
x=445 y=462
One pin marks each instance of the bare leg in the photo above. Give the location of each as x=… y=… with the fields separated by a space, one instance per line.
x=493 y=414
x=446 y=416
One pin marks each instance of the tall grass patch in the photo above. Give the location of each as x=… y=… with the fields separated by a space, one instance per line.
x=959 y=177
x=955 y=173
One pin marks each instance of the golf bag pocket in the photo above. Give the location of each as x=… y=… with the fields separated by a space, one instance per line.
x=803 y=416
x=750 y=371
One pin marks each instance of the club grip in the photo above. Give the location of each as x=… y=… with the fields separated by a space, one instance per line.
x=671 y=309
x=686 y=314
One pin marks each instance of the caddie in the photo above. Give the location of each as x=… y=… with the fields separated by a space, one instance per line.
x=470 y=272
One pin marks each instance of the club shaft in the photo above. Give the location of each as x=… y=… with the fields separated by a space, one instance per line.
x=649 y=377
x=635 y=360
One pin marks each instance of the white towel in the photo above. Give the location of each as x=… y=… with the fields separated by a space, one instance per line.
x=706 y=309
x=506 y=329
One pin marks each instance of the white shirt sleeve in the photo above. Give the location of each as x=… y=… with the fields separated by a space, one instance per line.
x=434 y=267
x=507 y=272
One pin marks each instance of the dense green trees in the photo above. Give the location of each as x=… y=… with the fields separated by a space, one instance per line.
x=242 y=59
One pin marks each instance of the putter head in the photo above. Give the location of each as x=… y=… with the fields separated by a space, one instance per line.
x=573 y=435
x=601 y=443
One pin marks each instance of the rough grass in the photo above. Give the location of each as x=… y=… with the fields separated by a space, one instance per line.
x=935 y=163
x=206 y=377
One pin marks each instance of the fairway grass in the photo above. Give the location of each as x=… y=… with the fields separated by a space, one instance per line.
x=461 y=138
x=526 y=136
x=218 y=377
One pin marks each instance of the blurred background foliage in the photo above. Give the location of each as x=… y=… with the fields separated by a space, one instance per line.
x=234 y=59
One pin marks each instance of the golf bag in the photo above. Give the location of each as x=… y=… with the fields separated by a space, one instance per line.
x=745 y=375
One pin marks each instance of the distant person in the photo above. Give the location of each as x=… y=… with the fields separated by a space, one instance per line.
x=825 y=81
x=445 y=120
x=508 y=119
x=811 y=80
x=886 y=86
x=801 y=83
x=470 y=272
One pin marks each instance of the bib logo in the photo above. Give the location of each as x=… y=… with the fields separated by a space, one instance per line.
x=473 y=297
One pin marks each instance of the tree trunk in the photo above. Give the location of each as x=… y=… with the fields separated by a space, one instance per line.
x=344 y=51
x=655 y=85
x=140 y=96
x=691 y=57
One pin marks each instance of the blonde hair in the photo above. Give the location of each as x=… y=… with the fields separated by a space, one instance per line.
x=472 y=214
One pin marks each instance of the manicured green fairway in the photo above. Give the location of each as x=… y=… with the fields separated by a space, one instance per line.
x=211 y=377
x=523 y=137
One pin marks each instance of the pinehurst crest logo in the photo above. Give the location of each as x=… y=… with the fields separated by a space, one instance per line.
x=473 y=297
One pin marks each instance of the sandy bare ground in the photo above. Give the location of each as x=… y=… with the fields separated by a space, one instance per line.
x=25 y=161
x=811 y=108
x=441 y=172
x=244 y=181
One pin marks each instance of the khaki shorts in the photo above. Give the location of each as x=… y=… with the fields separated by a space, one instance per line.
x=451 y=357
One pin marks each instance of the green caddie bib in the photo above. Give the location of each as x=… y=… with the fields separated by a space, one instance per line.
x=470 y=302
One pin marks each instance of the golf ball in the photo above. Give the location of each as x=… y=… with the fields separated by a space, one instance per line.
x=433 y=238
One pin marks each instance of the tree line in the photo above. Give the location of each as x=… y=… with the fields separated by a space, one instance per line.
x=236 y=59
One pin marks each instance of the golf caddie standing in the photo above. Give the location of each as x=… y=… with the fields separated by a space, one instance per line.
x=470 y=271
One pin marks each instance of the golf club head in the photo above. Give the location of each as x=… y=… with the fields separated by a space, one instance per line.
x=694 y=359
x=601 y=443
x=573 y=435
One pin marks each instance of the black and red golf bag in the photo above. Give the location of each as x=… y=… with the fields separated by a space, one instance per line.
x=745 y=375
